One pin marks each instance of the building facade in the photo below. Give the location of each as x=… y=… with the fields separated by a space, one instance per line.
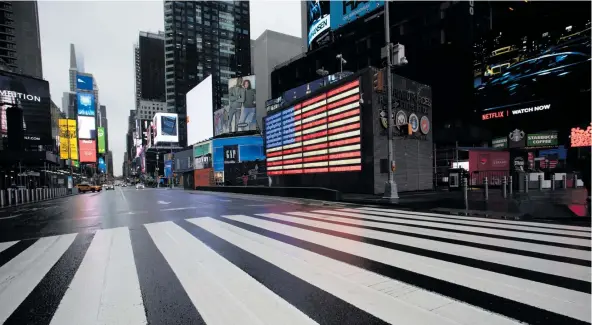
x=201 y=39
x=149 y=66
x=20 y=45
x=269 y=50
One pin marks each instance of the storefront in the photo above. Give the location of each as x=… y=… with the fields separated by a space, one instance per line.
x=183 y=168
x=236 y=157
x=203 y=174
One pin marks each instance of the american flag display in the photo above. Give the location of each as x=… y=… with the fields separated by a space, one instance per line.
x=319 y=135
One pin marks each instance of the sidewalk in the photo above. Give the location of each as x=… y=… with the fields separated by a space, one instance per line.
x=563 y=205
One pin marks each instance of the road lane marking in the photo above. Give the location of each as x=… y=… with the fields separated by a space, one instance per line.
x=19 y=277
x=6 y=245
x=163 y=202
x=178 y=209
x=221 y=291
x=105 y=288
x=10 y=217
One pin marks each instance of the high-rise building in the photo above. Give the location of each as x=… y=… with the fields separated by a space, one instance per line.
x=20 y=47
x=149 y=64
x=102 y=122
x=204 y=38
x=267 y=51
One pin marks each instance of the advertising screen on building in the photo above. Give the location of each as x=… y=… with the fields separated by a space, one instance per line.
x=319 y=135
x=345 y=12
x=87 y=128
x=240 y=114
x=84 y=82
x=86 y=104
x=102 y=165
x=199 y=112
x=68 y=140
x=581 y=137
x=167 y=127
x=529 y=68
x=25 y=116
x=318 y=22
x=101 y=139
x=88 y=151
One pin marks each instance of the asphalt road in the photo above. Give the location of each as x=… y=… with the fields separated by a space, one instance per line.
x=159 y=256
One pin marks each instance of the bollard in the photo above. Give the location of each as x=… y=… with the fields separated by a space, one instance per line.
x=504 y=188
x=465 y=194
x=19 y=196
x=540 y=183
x=553 y=182
x=564 y=185
x=510 y=185
x=2 y=198
x=486 y=186
x=9 y=196
x=575 y=181
x=526 y=180
x=29 y=195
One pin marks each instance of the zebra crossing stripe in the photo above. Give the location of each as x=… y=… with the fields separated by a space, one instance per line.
x=105 y=288
x=574 y=256
x=19 y=277
x=546 y=297
x=222 y=293
x=474 y=219
x=4 y=246
x=547 y=239
x=361 y=288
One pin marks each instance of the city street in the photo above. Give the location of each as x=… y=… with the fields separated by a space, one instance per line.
x=168 y=256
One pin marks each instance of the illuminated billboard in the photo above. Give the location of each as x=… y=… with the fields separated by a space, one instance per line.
x=167 y=127
x=581 y=137
x=240 y=114
x=86 y=104
x=199 y=112
x=318 y=22
x=319 y=135
x=68 y=141
x=101 y=139
x=84 y=82
x=88 y=151
x=86 y=128
x=345 y=12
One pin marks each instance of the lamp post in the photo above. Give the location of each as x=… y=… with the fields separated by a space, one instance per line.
x=390 y=187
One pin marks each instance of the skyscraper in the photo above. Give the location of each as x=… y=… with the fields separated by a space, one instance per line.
x=150 y=78
x=201 y=39
x=19 y=38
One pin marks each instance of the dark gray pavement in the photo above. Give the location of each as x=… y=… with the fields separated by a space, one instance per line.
x=161 y=256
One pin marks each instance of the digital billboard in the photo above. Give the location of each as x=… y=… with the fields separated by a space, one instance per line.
x=240 y=114
x=580 y=137
x=87 y=128
x=319 y=135
x=345 y=12
x=88 y=151
x=86 y=104
x=102 y=166
x=534 y=69
x=167 y=127
x=68 y=140
x=84 y=82
x=248 y=148
x=25 y=116
x=318 y=21
x=199 y=112
x=101 y=139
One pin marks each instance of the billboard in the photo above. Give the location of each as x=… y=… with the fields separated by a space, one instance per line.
x=102 y=166
x=320 y=135
x=101 y=139
x=580 y=137
x=199 y=112
x=525 y=70
x=318 y=22
x=240 y=115
x=248 y=148
x=87 y=128
x=84 y=82
x=86 y=104
x=68 y=141
x=345 y=12
x=25 y=116
x=88 y=151
x=167 y=127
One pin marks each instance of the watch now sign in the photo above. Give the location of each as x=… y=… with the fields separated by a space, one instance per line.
x=512 y=112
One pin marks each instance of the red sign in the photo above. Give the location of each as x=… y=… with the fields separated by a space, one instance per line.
x=488 y=160
x=88 y=151
x=581 y=137
x=489 y=116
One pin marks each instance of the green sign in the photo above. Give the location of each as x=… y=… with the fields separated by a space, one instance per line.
x=101 y=136
x=499 y=142
x=201 y=149
x=541 y=139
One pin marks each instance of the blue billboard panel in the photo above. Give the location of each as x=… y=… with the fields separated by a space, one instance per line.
x=86 y=104
x=345 y=12
x=250 y=148
x=84 y=82
x=319 y=22
x=102 y=166
x=168 y=168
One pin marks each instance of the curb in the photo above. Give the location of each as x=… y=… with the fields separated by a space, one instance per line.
x=38 y=201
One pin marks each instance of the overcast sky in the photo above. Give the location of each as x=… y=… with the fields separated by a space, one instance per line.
x=105 y=33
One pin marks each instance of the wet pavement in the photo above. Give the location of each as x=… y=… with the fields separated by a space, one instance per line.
x=160 y=256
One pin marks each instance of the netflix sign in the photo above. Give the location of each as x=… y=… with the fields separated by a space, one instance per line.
x=512 y=112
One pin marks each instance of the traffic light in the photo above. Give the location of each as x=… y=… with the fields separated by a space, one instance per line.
x=378 y=81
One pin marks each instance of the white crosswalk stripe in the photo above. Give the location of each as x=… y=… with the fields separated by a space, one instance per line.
x=362 y=265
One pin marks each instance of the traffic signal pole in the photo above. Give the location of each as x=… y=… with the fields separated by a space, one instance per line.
x=390 y=187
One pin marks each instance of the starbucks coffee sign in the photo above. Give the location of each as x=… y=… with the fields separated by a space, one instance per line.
x=541 y=139
x=499 y=142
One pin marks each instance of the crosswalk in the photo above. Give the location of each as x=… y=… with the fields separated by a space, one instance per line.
x=361 y=265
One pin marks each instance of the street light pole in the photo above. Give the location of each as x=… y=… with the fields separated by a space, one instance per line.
x=390 y=187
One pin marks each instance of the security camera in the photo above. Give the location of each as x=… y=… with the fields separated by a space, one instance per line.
x=344 y=61
x=338 y=56
x=403 y=61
